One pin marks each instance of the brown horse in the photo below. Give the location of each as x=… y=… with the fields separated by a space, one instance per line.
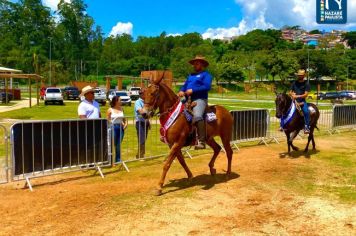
x=159 y=95
x=283 y=106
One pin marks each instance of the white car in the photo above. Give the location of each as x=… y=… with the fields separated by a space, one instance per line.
x=53 y=95
x=124 y=97
x=134 y=93
x=100 y=96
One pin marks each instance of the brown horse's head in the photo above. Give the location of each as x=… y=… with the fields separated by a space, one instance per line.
x=283 y=102
x=151 y=99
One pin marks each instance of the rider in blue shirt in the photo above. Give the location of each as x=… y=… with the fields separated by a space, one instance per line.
x=197 y=87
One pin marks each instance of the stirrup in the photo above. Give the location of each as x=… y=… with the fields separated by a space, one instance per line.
x=306 y=130
x=200 y=145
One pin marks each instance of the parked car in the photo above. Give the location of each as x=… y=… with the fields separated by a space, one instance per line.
x=3 y=97
x=71 y=93
x=124 y=96
x=349 y=95
x=330 y=96
x=134 y=93
x=100 y=96
x=53 y=95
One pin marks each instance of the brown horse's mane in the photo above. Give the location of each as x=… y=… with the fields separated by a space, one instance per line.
x=169 y=98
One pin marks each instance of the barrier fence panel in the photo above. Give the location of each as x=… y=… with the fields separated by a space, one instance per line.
x=132 y=147
x=4 y=157
x=344 y=116
x=250 y=125
x=50 y=147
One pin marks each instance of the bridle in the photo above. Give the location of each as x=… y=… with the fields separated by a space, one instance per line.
x=154 y=106
x=285 y=112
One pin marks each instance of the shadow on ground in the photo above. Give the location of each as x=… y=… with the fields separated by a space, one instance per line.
x=205 y=180
x=298 y=154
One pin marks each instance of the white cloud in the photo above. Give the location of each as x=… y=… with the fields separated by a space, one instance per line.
x=243 y=27
x=121 y=28
x=174 y=35
x=52 y=3
x=291 y=12
x=262 y=14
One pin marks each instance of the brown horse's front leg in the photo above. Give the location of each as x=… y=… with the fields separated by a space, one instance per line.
x=172 y=154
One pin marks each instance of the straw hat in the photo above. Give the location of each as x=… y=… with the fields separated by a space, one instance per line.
x=201 y=59
x=301 y=72
x=86 y=90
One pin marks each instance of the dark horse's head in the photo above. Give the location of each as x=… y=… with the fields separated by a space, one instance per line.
x=283 y=102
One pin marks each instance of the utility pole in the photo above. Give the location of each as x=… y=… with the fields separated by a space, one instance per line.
x=50 y=61
x=347 y=78
x=308 y=66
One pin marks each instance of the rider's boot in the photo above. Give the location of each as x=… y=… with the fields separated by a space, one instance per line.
x=201 y=135
x=306 y=129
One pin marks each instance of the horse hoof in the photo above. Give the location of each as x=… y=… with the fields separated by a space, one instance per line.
x=190 y=177
x=213 y=171
x=158 y=192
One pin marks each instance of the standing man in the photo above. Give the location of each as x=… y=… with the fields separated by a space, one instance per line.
x=88 y=108
x=197 y=86
x=299 y=92
x=142 y=126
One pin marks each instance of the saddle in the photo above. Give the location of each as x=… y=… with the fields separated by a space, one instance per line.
x=209 y=116
x=209 y=113
x=299 y=105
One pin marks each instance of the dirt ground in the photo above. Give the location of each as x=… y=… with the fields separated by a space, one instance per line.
x=268 y=194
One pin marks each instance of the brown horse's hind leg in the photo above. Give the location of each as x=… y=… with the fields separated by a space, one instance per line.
x=216 y=147
x=228 y=150
x=181 y=160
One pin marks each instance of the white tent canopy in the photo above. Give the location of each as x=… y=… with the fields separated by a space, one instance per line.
x=9 y=70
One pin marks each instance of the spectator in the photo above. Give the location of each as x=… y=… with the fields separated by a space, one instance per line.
x=142 y=126
x=88 y=108
x=115 y=116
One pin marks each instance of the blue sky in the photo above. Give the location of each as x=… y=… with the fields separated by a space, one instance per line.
x=211 y=18
x=174 y=16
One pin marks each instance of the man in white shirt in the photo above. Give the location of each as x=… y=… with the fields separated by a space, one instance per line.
x=88 y=108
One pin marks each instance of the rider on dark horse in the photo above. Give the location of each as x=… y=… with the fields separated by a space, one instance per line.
x=299 y=92
x=197 y=87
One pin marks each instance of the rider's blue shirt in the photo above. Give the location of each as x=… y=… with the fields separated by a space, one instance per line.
x=200 y=83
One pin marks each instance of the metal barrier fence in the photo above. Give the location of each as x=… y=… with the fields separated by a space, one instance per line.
x=50 y=147
x=344 y=116
x=4 y=157
x=131 y=149
x=250 y=125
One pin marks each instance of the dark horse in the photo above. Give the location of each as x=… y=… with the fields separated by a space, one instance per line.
x=158 y=95
x=284 y=105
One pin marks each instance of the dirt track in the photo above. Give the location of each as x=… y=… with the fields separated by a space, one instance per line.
x=267 y=194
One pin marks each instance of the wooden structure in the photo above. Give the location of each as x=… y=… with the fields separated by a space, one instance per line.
x=157 y=74
x=81 y=84
x=9 y=74
x=141 y=81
